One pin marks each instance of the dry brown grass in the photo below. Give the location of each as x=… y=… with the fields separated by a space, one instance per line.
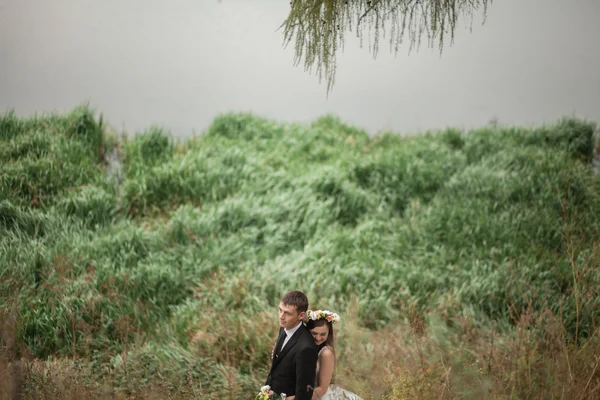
x=418 y=358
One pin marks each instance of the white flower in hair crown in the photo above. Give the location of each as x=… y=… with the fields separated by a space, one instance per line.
x=323 y=314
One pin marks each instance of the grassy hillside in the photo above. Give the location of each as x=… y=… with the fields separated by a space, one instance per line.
x=463 y=264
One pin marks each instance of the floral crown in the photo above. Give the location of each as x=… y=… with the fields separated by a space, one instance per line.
x=322 y=314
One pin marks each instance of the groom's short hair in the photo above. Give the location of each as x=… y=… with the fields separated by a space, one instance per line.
x=296 y=298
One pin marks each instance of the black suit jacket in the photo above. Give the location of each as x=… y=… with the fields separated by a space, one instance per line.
x=294 y=368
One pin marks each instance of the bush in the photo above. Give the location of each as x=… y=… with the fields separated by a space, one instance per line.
x=10 y=126
x=92 y=204
x=19 y=220
x=147 y=149
x=574 y=136
x=43 y=157
x=191 y=178
x=415 y=169
x=34 y=145
x=82 y=125
x=38 y=182
x=244 y=126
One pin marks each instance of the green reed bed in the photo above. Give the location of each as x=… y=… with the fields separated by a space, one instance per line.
x=165 y=279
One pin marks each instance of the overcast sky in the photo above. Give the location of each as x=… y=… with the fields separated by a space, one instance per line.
x=180 y=63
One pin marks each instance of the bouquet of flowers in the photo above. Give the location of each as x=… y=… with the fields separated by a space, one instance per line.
x=267 y=394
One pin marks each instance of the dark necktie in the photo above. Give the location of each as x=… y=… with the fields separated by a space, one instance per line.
x=280 y=343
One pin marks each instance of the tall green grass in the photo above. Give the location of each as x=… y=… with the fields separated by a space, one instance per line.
x=178 y=268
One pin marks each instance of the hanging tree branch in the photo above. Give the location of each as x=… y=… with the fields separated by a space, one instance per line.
x=317 y=27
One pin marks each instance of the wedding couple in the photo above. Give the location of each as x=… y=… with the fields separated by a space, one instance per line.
x=304 y=357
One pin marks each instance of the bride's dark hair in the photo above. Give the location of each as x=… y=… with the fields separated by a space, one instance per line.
x=322 y=322
x=329 y=342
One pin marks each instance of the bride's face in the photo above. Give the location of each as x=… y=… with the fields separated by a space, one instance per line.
x=320 y=334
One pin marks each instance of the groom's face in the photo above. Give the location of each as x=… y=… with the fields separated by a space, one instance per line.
x=289 y=316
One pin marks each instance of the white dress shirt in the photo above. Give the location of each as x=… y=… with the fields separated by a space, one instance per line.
x=289 y=334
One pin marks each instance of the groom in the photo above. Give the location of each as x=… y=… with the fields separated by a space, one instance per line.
x=295 y=355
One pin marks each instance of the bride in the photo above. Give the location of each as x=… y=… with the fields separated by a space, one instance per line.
x=320 y=324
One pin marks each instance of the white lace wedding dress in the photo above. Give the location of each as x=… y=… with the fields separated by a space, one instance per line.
x=335 y=392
